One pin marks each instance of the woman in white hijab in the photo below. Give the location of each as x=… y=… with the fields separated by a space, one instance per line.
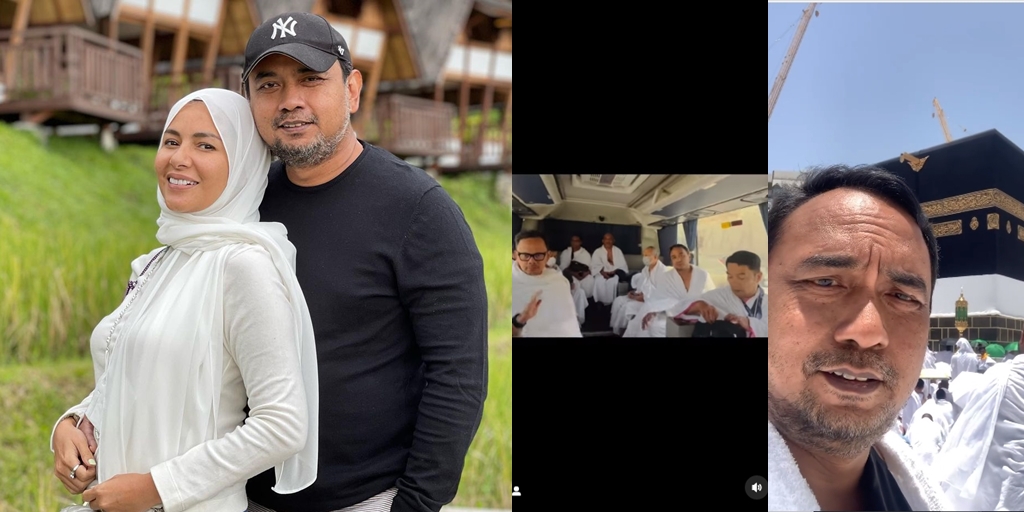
x=211 y=323
x=981 y=464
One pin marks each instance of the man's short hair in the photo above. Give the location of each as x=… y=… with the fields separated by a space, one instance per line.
x=787 y=198
x=940 y=394
x=680 y=246
x=530 y=233
x=745 y=258
x=920 y=384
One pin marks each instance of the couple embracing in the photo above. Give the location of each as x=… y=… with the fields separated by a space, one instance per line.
x=274 y=354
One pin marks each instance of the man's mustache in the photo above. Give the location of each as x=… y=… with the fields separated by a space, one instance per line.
x=279 y=120
x=855 y=359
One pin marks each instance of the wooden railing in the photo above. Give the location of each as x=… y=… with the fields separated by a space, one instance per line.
x=485 y=148
x=71 y=69
x=409 y=126
x=164 y=93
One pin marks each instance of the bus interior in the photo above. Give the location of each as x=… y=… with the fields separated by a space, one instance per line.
x=712 y=215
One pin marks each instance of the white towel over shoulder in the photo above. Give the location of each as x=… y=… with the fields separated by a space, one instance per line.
x=556 y=316
x=788 y=490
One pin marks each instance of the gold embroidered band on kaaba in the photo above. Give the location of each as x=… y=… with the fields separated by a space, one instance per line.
x=991 y=198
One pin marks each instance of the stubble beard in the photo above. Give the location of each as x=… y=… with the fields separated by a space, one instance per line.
x=841 y=434
x=312 y=154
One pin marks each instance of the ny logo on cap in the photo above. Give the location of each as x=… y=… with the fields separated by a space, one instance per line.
x=341 y=51
x=285 y=27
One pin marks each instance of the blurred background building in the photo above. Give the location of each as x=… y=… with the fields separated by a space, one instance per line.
x=437 y=73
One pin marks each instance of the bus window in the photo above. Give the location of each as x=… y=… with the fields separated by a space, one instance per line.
x=715 y=243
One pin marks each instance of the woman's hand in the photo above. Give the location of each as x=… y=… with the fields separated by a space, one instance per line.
x=90 y=432
x=130 y=492
x=71 y=451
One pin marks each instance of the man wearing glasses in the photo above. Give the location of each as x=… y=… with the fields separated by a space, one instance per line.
x=541 y=299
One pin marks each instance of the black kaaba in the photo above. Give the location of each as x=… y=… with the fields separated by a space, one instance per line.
x=972 y=190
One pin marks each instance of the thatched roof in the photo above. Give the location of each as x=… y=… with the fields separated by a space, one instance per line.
x=271 y=8
x=433 y=27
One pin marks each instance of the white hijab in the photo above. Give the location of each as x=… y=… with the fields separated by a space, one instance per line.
x=170 y=350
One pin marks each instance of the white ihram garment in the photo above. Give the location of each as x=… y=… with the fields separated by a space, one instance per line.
x=911 y=406
x=925 y=438
x=727 y=303
x=556 y=315
x=965 y=359
x=625 y=308
x=578 y=295
x=669 y=293
x=605 y=289
x=582 y=256
x=981 y=464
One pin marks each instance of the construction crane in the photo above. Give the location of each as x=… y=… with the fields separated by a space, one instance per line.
x=942 y=119
x=773 y=96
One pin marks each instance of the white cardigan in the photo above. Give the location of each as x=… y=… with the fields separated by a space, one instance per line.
x=261 y=370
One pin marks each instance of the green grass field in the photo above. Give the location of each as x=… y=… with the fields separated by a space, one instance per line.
x=71 y=218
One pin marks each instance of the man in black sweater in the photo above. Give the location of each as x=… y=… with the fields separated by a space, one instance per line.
x=393 y=279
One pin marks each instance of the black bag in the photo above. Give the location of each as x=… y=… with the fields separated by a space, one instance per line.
x=576 y=267
x=718 y=329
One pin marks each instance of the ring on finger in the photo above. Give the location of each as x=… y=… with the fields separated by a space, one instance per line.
x=73 y=470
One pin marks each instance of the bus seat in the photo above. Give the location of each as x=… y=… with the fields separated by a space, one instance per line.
x=673 y=330
x=634 y=262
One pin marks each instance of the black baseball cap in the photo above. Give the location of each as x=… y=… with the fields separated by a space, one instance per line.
x=305 y=37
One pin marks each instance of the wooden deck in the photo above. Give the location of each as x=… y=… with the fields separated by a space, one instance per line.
x=409 y=126
x=417 y=127
x=69 y=73
x=164 y=94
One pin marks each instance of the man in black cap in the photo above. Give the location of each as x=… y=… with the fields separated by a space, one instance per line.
x=392 y=276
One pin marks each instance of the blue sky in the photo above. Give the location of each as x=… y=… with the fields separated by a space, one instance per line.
x=860 y=89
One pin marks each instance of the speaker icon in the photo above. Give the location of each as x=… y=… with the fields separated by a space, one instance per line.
x=757 y=487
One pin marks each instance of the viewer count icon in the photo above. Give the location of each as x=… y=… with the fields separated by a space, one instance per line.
x=515 y=491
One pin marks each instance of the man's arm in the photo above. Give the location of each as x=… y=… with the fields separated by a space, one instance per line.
x=441 y=284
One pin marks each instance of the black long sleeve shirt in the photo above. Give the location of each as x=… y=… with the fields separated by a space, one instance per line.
x=395 y=287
